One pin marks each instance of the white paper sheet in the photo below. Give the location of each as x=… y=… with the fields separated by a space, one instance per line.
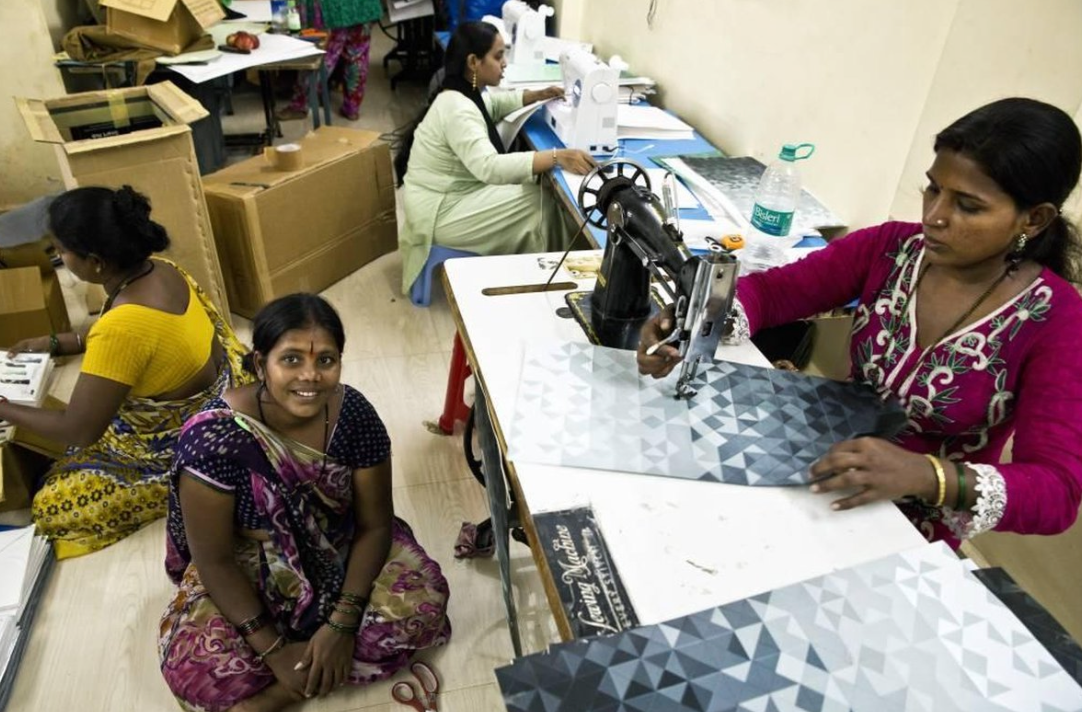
x=253 y=10
x=15 y=546
x=402 y=10
x=511 y=124
x=272 y=48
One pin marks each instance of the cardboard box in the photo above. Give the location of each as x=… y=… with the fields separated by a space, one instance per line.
x=280 y=232
x=30 y=306
x=24 y=458
x=168 y=25
x=20 y=470
x=139 y=137
x=31 y=299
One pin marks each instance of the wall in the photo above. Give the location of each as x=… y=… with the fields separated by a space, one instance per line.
x=28 y=169
x=868 y=81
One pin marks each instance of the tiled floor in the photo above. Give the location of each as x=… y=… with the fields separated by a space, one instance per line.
x=93 y=644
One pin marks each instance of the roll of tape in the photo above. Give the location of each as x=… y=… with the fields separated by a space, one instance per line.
x=287 y=157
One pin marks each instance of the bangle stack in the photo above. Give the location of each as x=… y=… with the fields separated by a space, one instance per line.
x=941 y=480
x=554 y=162
x=349 y=604
x=256 y=622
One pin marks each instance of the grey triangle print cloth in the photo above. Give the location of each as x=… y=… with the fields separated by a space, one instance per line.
x=580 y=405
x=914 y=631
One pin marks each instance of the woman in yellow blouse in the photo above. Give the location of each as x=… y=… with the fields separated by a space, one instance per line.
x=159 y=351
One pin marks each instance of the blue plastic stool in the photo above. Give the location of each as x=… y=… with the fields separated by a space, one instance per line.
x=421 y=291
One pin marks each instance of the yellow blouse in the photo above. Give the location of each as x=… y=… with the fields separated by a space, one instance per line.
x=148 y=349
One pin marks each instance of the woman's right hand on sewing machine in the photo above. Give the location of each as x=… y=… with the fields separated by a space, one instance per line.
x=575 y=160
x=661 y=360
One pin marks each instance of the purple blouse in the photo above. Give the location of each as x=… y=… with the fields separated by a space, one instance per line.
x=964 y=395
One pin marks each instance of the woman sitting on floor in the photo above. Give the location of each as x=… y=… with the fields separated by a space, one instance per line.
x=461 y=187
x=294 y=576
x=968 y=318
x=158 y=354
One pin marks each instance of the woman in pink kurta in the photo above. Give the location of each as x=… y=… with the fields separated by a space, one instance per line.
x=969 y=320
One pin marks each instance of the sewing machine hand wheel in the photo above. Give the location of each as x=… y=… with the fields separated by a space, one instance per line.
x=603 y=181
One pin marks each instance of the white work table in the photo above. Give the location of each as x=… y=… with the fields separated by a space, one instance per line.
x=680 y=546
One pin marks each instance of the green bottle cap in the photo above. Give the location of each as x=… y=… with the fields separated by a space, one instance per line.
x=789 y=151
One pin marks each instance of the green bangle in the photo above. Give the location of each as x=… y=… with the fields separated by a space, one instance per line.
x=960 y=500
x=54 y=345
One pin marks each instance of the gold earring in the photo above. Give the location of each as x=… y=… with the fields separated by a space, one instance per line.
x=1018 y=252
x=474 y=81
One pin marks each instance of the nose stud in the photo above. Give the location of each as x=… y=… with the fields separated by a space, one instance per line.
x=940 y=222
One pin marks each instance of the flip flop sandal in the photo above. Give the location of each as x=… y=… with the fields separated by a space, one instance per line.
x=475 y=541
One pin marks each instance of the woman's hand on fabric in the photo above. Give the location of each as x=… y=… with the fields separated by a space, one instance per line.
x=575 y=160
x=327 y=660
x=875 y=469
x=660 y=363
x=40 y=343
x=285 y=664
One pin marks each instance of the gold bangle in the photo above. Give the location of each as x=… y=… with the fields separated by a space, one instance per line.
x=554 y=161
x=941 y=480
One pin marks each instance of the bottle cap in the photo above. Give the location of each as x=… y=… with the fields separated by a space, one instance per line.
x=789 y=151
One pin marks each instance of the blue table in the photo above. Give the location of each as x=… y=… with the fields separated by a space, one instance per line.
x=542 y=138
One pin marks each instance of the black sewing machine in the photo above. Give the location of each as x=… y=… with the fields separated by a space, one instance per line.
x=643 y=242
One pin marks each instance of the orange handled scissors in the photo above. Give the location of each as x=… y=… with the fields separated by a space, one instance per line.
x=423 y=699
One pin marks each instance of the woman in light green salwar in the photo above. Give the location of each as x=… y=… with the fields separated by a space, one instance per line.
x=461 y=189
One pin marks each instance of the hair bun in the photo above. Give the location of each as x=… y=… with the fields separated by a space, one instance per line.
x=133 y=210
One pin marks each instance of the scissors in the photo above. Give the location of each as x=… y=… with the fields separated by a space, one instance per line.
x=423 y=699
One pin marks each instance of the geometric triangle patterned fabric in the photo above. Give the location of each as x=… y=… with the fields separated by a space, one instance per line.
x=909 y=632
x=581 y=405
x=1036 y=618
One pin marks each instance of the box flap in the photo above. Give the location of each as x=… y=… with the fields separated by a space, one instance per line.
x=205 y=12
x=176 y=103
x=38 y=122
x=251 y=176
x=159 y=10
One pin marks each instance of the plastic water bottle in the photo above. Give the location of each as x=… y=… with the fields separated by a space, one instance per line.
x=293 y=17
x=779 y=189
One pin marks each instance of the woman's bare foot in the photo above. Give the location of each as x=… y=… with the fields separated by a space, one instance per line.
x=272 y=699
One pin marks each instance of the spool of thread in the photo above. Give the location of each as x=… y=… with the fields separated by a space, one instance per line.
x=287 y=157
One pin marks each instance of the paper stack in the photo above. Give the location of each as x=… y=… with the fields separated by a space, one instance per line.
x=25 y=563
x=24 y=378
x=649 y=122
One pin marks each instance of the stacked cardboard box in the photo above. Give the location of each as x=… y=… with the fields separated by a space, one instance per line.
x=24 y=459
x=284 y=231
x=31 y=300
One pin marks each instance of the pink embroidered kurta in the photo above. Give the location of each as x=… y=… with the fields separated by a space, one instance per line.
x=1017 y=371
